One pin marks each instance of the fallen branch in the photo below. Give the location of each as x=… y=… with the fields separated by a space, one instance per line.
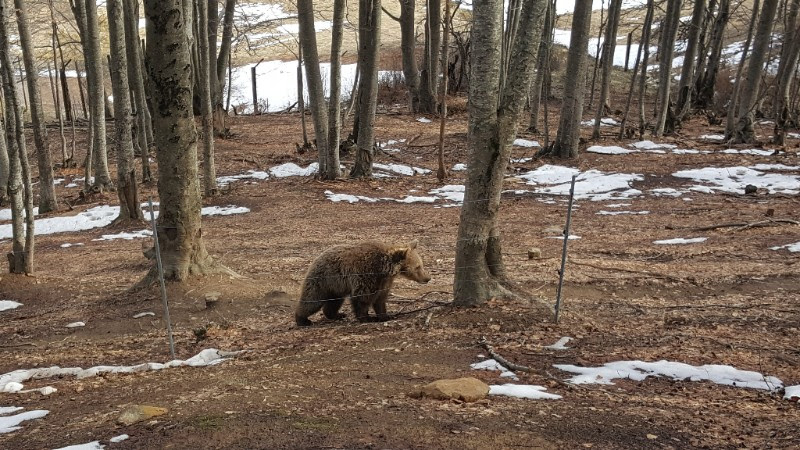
x=504 y=362
x=437 y=305
x=744 y=225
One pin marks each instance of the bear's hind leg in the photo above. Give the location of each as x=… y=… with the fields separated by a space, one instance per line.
x=361 y=308
x=331 y=309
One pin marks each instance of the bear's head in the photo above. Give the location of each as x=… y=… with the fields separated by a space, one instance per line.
x=410 y=263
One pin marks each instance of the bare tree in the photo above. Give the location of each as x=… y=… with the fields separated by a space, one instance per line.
x=569 y=126
x=744 y=132
x=430 y=60
x=408 y=45
x=607 y=61
x=20 y=260
x=222 y=63
x=733 y=103
x=493 y=118
x=183 y=251
x=206 y=78
x=665 y=116
x=47 y=192
x=140 y=110
x=790 y=51
x=541 y=68
x=369 y=26
x=645 y=45
x=316 y=94
x=335 y=103
x=707 y=81
x=690 y=59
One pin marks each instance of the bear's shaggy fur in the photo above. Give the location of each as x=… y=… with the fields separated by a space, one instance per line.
x=364 y=272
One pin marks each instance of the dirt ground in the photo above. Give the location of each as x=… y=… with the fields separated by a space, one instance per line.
x=729 y=300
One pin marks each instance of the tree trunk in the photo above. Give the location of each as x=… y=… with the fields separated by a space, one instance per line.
x=542 y=62
x=441 y=173
x=733 y=103
x=129 y=209
x=479 y=270
x=666 y=52
x=429 y=75
x=609 y=45
x=702 y=48
x=140 y=112
x=707 y=82
x=47 y=190
x=79 y=82
x=596 y=59
x=744 y=127
x=316 y=94
x=786 y=71
x=94 y=69
x=212 y=27
x=623 y=124
x=335 y=103
x=58 y=74
x=369 y=27
x=183 y=252
x=690 y=59
x=569 y=127
x=222 y=62
x=20 y=260
x=645 y=45
x=206 y=81
x=408 y=45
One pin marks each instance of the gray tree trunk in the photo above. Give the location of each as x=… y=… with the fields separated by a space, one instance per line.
x=645 y=46
x=609 y=45
x=786 y=71
x=183 y=252
x=569 y=126
x=129 y=209
x=55 y=85
x=493 y=119
x=369 y=27
x=730 y=119
x=140 y=110
x=408 y=45
x=94 y=69
x=222 y=62
x=542 y=62
x=47 y=190
x=690 y=59
x=707 y=82
x=316 y=94
x=212 y=27
x=335 y=103
x=20 y=260
x=429 y=75
x=206 y=80
x=4 y=164
x=744 y=127
x=664 y=113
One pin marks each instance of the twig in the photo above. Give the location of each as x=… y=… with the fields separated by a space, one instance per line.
x=744 y=225
x=438 y=305
x=504 y=362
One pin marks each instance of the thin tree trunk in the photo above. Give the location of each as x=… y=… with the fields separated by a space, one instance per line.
x=222 y=63
x=335 y=103
x=702 y=51
x=301 y=101
x=596 y=61
x=127 y=192
x=140 y=112
x=479 y=270
x=206 y=81
x=316 y=94
x=666 y=52
x=430 y=62
x=786 y=71
x=609 y=45
x=369 y=19
x=80 y=88
x=212 y=27
x=744 y=128
x=183 y=251
x=5 y=170
x=569 y=127
x=441 y=173
x=707 y=82
x=47 y=190
x=624 y=122
x=645 y=46
x=690 y=59
x=102 y=178
x=408 y=45
x=730 y=119
x=541 y=65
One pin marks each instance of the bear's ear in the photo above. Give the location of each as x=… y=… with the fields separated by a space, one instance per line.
x=398 y=255
x=413 y=244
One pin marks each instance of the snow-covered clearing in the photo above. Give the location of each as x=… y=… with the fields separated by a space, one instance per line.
x=9 y=423
x=734 y=179
x=5 y=305
x=560 y=344
x=207 y=357
x=591 y=185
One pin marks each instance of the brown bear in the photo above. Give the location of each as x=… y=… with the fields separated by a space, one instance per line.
x=364 y=272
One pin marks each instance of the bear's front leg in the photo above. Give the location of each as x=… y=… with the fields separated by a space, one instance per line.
x=361 y=308
x=380 y=307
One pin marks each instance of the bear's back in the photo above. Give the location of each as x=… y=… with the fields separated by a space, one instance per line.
x=368 y=257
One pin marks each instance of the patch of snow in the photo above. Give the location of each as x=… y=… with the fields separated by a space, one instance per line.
x=12 y=387
x=5 y=214
x=610 y=150
x=752 y=151
x=120 y=438
x=687 y=151
x=459 y=167
x=640 y=370
x=493 y=365
x=415 y=199
x=734 y=179
x=424 y=120
x=71 y=185
x=713 y=137
x=529 y=391
x=774 y=167
x=560 y=344
x=5 y=305
x=792 y=393
x=591 y=185
x=604 y=122
x=572 y=237
x=620 y=213
x=94 y=445
x=617 y=205
x=677 y=241
x=526 y=143
x=401 y=169
x=75 y=325
x=126 y=236
x=207 y=357
x=521 y=160
x=794 y=248
x=224 y=210
x=451 y=192
x=293 y=170
x=666 y=192
x=650 y=145
x=348 y=198
x=68 y=245
x=143 y=314
x=250 y=174
x=11 y=423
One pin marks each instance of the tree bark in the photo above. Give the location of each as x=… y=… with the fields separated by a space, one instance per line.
x=666 y=52
x=335 y=103
x=609 y=46
x=569 y=127
x=645 y=44
x=55 y=86
x=690 y=59
x=493 y=119
x=140 y=111
x=542 y=62
x=206 y=80
x=183 y=251
x=369 y=27
x=316 y=94
x=429 y=75
x=744 y=127
x=222 y=62
x=786 y=71
x=441 y=173
x=408 y=45
x=129 y=209
x=47 y=190
x=94 y=66
x=707 y=82
x=733 y=103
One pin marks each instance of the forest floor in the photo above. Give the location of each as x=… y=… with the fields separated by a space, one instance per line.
x=728 y=300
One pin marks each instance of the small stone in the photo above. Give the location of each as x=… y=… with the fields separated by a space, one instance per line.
x=463 y=389
x=138 y=413
x=534 y=253
x=750 y=189
x=652 y=436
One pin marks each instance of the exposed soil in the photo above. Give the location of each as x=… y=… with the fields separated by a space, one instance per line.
x=729 y=300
